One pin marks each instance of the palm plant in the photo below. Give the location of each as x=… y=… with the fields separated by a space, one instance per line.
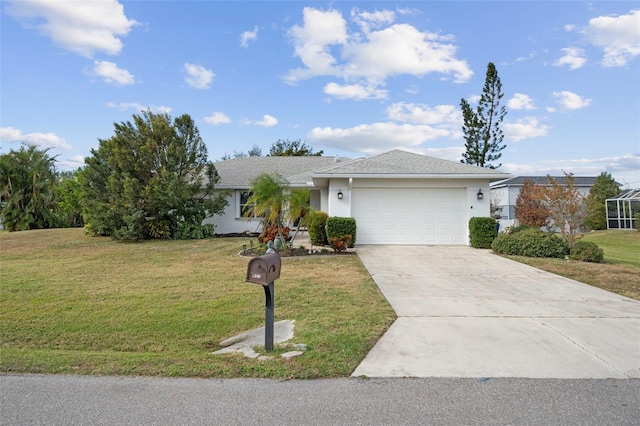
x=268 y=197
x=27 y=189
x=298 y=207
x=276 y=204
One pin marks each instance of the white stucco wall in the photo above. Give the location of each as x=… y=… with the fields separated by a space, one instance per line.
x=229 y=222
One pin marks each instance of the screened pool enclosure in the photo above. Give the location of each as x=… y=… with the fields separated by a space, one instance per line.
x=621 y=210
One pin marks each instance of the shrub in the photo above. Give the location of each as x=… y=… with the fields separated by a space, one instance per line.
x=521 y=227
x=341 y=226
x=317 y=232
x=586 y=251
x=482 y=231
x=192 y=231
x=637 y=221
x=530 y=243
x=270 y=232
x=340 y=244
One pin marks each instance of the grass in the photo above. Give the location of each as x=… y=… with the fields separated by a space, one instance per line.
x=619 y=274
x=70 y=303
x=620 y=247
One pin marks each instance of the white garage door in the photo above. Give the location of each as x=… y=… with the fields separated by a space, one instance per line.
x=410 y=216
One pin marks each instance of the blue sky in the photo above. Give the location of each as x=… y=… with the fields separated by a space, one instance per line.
x=349 y=78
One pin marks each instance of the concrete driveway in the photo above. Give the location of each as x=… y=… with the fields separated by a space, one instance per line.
x=464 y=312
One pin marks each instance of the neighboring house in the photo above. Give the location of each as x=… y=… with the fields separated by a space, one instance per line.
x=504 y=193
x=396 y=197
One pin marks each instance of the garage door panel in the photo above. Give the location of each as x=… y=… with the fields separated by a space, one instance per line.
x=410 y=216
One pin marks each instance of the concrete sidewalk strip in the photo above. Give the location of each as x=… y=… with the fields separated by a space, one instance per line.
x=491 y=347
x=464 y=312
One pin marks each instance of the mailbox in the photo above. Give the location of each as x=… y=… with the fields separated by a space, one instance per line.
x=264 y=269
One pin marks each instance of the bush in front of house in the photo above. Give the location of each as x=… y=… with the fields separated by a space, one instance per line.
x=519 y=228
x=340 y=244
x=637 y=221
x=316 y=227
x=338 y=227
x=586 y=251
x=482 y=231
x=531 y=243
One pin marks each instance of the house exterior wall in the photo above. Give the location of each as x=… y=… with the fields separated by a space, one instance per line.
x=474 y=207
x=230 y=221
x=336 y=207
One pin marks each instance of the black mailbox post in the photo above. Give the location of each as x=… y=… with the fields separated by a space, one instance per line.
x=265 y=270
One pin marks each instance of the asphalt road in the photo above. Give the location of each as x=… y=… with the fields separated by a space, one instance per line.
x=89 y=400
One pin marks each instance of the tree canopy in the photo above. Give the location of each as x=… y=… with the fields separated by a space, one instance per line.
x=482 y=133
x=150 y=180
x=567 y=208
x=604 y=187
x=28 y=189
x=288 y=148
x=530 y=208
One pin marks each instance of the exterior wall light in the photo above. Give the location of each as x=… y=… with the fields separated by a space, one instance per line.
x=480 y=195
x=340 y=194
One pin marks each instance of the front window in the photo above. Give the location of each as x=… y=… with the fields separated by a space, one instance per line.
x=245 y=206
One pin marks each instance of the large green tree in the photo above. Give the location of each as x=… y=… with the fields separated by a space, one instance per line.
x=27 y=189
x=68 y=200
x=604 y=187
x=481 y=127
x=150 y=180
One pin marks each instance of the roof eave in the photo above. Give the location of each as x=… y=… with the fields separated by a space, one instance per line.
x=490 y=176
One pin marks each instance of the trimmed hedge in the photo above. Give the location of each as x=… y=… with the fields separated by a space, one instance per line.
x=482 y=231
x=317 y=231
x=338 y=227
x=530 y=243
x=586 y=251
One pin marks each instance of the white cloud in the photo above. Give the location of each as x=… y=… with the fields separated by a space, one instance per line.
x=198 y=76
x=528 y=57
x=48 y=140
x=217 y=118
x=443 y=115
x=71 y=163
x=123 y=106
x=83 y=27
x=375 y=138
x=354 y=91
x=618 y=36
x=405 y=49
x=570 y=100
x=520 y=101
x=267 y=121
x=574 y=57
x=525 y=128
x=111 y=74
x=248 y=36
x=368 y=20
x=313 y=40
x=474 y=99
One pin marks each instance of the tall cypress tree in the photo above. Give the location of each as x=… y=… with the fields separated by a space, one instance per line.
x=481 y=127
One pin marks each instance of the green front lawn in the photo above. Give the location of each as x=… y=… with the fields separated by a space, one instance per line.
x=70 y=303
x=619 y=274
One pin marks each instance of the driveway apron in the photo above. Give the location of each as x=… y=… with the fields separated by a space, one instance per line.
x=464 y=312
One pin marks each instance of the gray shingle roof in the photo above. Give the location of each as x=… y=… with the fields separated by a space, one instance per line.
x=405 y=163
x=239 y=172
x=298 y=171
x=544 y=180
